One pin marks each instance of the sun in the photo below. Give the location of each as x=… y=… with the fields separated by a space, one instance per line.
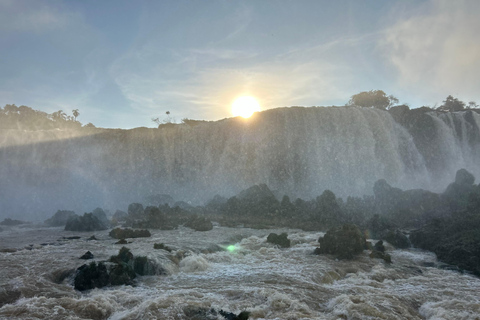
x=245 y=106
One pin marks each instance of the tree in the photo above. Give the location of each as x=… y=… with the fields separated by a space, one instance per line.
x=472 y=104
x=373 y=98
x=75 y=113
x=452 y=104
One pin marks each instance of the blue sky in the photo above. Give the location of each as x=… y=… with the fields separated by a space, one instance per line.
x=123 y=62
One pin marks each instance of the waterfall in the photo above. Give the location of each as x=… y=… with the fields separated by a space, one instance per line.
x=296 y=151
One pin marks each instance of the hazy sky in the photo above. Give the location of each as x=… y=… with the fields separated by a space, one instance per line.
x=123 y=62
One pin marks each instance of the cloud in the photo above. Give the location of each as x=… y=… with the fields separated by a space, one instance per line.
x=435 y=51
x=30 y=16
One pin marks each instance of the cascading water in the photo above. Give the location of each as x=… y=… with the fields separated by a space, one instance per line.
x=297 y=151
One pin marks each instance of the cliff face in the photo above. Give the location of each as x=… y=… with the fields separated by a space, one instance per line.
x=297 y=151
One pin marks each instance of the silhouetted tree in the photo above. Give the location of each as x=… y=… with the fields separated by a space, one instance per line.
x=373 y=98
x=452 y=104
x=75 y=113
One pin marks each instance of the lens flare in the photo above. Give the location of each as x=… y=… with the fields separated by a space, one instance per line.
x=231 y=248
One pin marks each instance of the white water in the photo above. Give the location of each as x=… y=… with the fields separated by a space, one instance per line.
x=269 y=282
x=296 y=151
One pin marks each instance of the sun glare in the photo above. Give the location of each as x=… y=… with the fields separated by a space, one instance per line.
x=245 y=106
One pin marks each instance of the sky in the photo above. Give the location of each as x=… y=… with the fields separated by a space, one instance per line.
x=122 y=63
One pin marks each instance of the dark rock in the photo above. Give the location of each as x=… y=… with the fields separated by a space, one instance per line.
x=455 y=241
x=244 y=315
x=135 y=210
x=91 y=276
x=58 y=276
x=280 y=240
x=463 y=177
x=381 y=255
x=92 y=238
x=119 y=233
x=72 y=238
x=199 y=223
x=121 y=241
x=161 y=246
x=87 y=255
x=87 y=222
x=379 y=246
x=344 y=242
x=457 y=194
x=100 y=215
x=397 y=239
x=60 y=218
x=119 y=215
x=122 y=274
x=11 y=222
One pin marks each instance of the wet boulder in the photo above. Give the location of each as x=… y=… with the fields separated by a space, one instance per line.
x=457 y=194
x=60 y=218
x=119 y=233
x=11 y=222
x=91 y=276
x=119 y=216
x=100 y=215
x=397 y=239
x=280 y=240
x=87 y=222
x=375 y=254
x=199 y=223
x=379 y=246
x=87 y=255
x=344 y=242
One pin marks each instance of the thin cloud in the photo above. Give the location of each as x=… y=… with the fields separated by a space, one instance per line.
x=436 y=52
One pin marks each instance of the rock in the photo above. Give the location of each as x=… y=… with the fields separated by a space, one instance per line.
x=381 y=255
x=344 y=242
x=280 y=240
x=119 y=216
x=100 y=214
x=201 y=313
x=87 y=222
x=92 y=238
x=379 y=246
x=463 y=177
x=119 y=233
x=161 y=246
x=87 y=255
x=199 y=223
x=135 y=210
x=11 y=222
x=91 y=276
x=457 y=194
x=60 y=218
x=121 y=241
x=122 y=272
x=455 y=241
x=397 y=239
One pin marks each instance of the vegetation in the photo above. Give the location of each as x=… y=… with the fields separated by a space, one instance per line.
x=373 y=99
x=26 y=118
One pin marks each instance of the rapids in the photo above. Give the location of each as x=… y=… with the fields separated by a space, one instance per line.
x=269 y=282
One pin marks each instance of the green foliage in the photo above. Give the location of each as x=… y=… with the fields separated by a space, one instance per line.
x=26 y=118
x=452 y=104
x=373 y=98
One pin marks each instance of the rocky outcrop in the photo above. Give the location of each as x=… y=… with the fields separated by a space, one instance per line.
x=60 y=218
x=11 y=222
x=199 y=223
x=344 y=242
x=91 y=276
x=280 y=240
x=87 y=222
x=119 y=233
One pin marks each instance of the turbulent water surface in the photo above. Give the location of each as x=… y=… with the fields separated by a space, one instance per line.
x=269 y=282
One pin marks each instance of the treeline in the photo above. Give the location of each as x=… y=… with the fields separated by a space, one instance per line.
x=26 y=118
